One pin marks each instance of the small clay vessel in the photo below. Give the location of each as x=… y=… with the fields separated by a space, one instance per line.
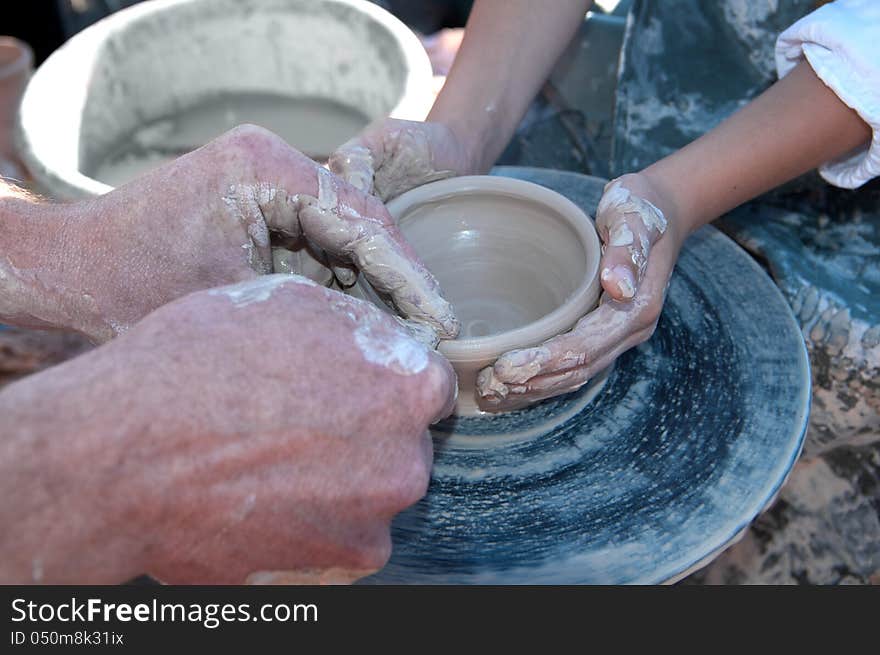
x=518 y=261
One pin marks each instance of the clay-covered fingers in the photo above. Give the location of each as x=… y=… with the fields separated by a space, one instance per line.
x=299 y=199
x=629 y=226
x=566 y=362
x=394 y=156
x=248 y=204
x=353 y=162
x=303 y=259
x=354 y=227
x=505 y=396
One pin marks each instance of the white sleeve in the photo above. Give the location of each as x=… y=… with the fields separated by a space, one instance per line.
x=841 y=41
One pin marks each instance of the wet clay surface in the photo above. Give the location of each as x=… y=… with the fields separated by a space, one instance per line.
x=501 y=264
x=518 y=262
x=689 y=439
x=314 y=126
x=140 y=66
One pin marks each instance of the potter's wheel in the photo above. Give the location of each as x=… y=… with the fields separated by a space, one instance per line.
x=637 y=479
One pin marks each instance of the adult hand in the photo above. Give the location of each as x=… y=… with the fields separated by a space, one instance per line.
x=204 y=220
x=394 y=156
x=266 y=431
x=635 y=269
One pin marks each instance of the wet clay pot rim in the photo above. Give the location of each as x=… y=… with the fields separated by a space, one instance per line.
x=559 y=320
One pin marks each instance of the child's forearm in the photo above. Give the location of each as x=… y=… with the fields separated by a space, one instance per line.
x=793 y=127
x=508 y=50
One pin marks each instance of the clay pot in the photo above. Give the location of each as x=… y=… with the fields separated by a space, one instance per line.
x=518 y=261
x=163 y=77
x=16 y=63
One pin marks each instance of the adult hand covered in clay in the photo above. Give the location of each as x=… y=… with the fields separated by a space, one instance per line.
x=634 y=271
x=203 y=220
x=236 y=434
x=394 y=156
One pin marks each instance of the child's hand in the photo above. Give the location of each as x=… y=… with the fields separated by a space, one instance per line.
x=394 y=156
x=639 y=253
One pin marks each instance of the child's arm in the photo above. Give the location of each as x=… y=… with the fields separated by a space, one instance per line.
x=796 y=125
x=799 y=123
x=822 y=111
x=508 y=50
x=792 y=128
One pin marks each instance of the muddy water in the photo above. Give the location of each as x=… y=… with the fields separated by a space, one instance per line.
x=313 y=125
